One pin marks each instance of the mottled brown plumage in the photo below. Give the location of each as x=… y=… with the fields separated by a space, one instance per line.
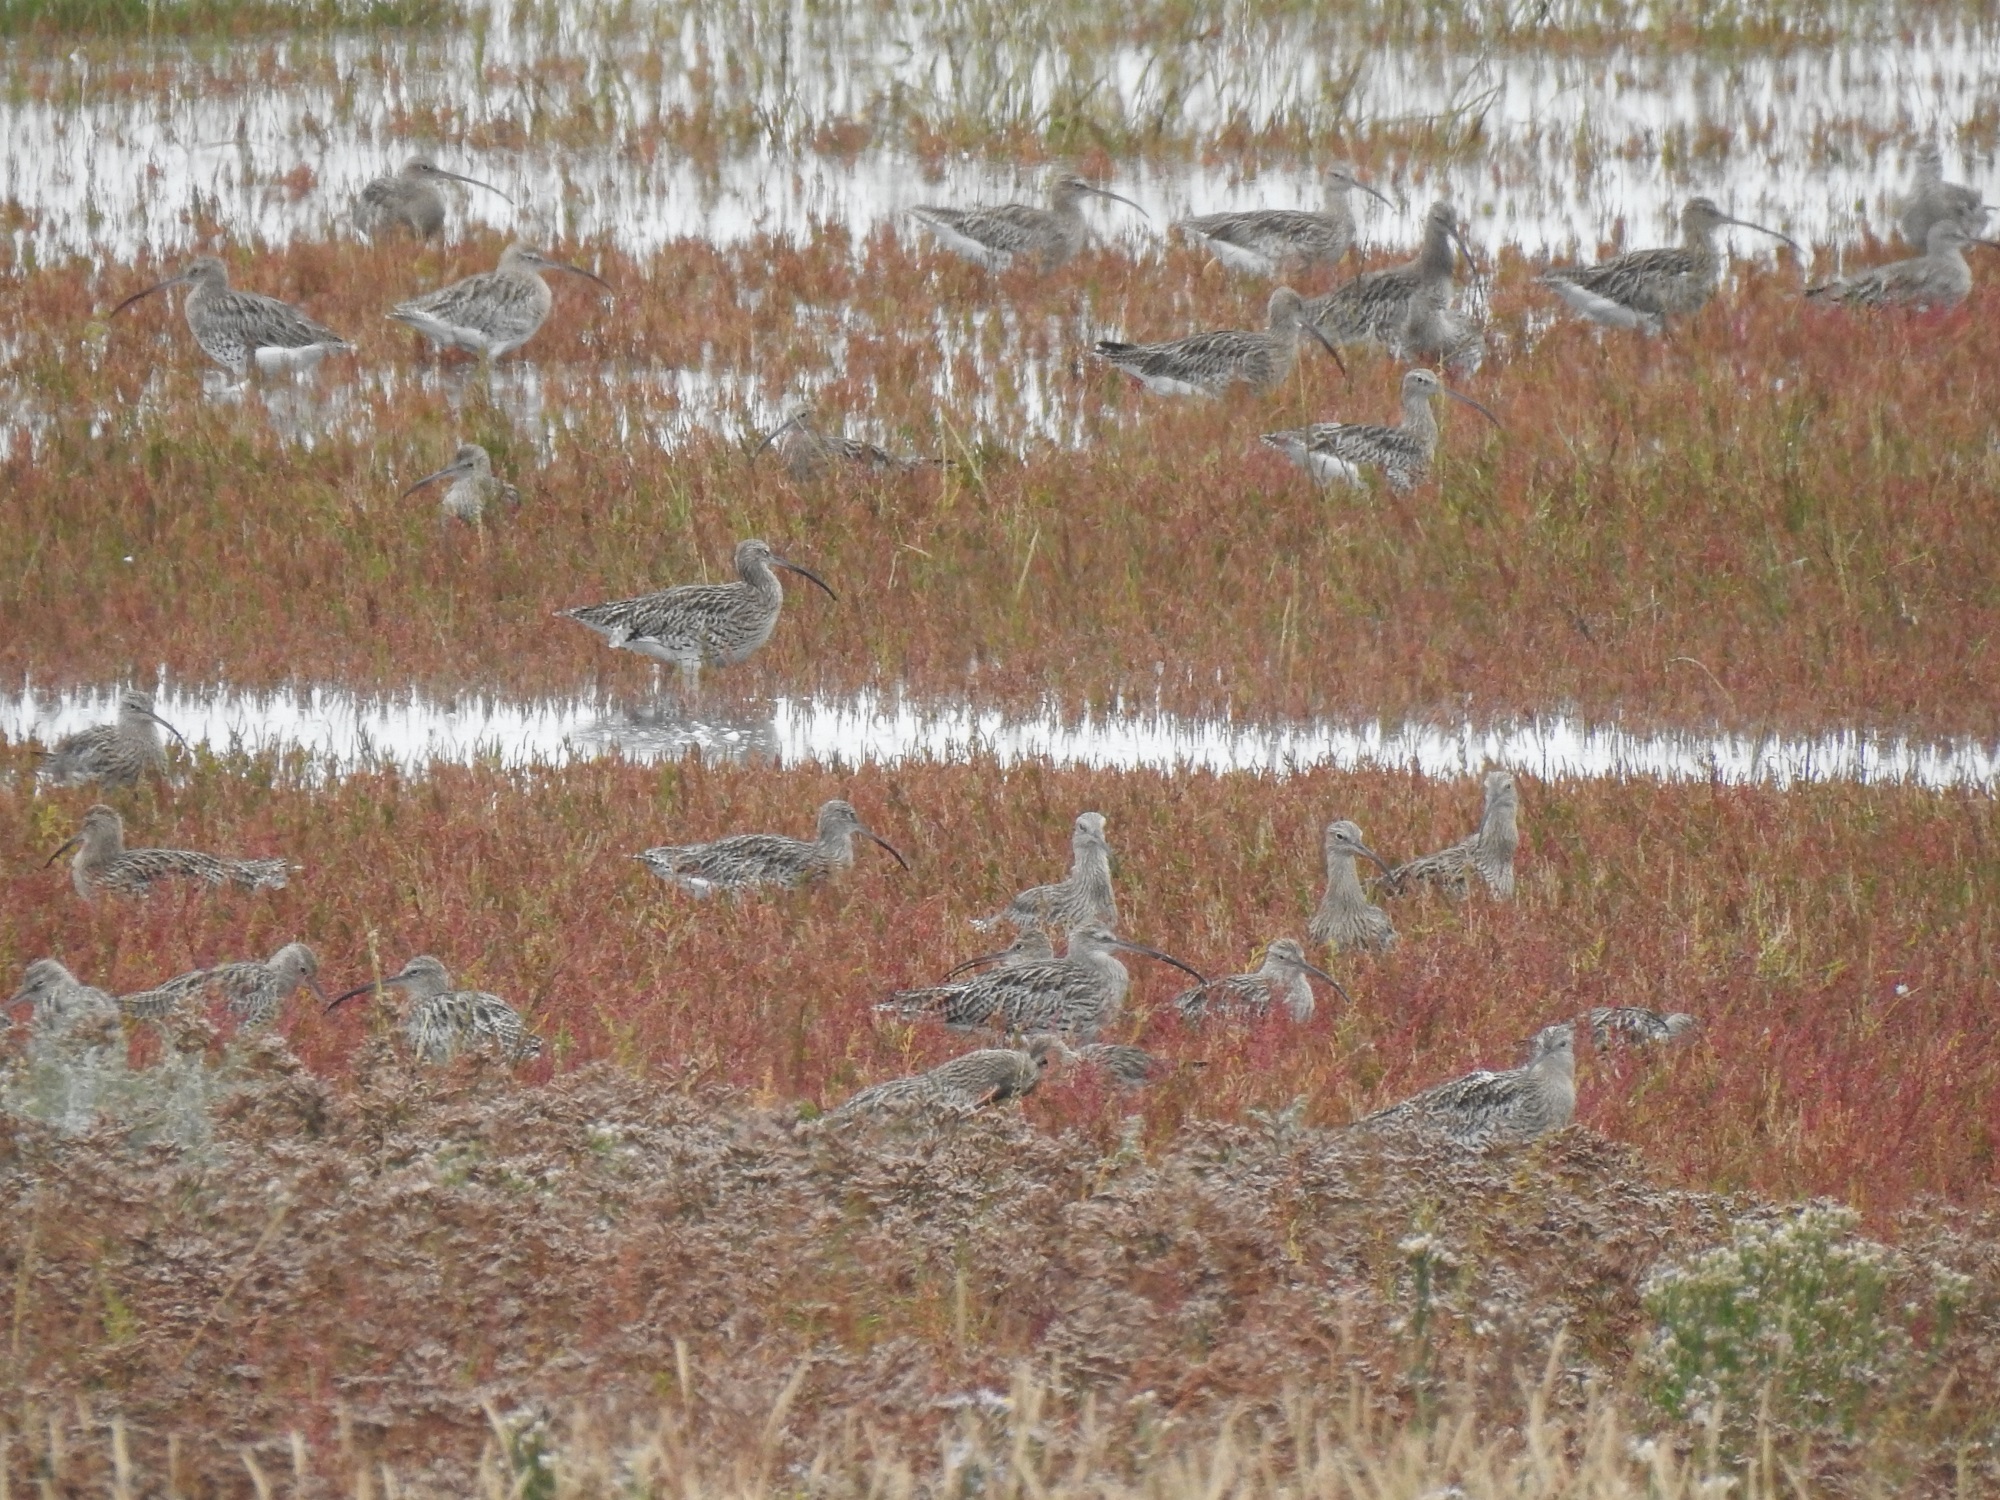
x=996 y=237
x=1346 y=918
x=441 y=1023
x=1517 y=1105
x=700 y=624
x=103 y=863
x=1644 y=288
x=116 y=754
x=1280 y=980
x=992 y=1075
x=1207 y=364
x=255 y=990
x=745 y=861
x=1488 y=851
x=1082 y=897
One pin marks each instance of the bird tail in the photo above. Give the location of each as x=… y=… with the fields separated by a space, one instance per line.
x=261 y=874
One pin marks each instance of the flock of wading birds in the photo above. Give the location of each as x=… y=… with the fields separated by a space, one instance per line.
x=1057 y=1006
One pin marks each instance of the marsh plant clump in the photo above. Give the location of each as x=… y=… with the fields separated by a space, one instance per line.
x=429 y=1270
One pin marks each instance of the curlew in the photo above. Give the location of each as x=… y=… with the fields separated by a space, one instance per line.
x=1517 y=1105
x=494 y=311
x=805 y=450
x=746 y=861
x=1936 y=281
x=442 y=1023
x=1128 y=1066
x=1437 y=333
x=1077 y=995
x=1346 y=918
x=995 y=237
x=1933 y=201
x=1207 y=364
x=62 y=1002
x=1280 y=980
x=1265 y=241
x=410 y=199
x=1345 y=452
x=992 y=1075
x=1636 y=1025
x=701 y=624
x=1375 y=307
x=1030 y=946
x=1643 y=288
x=103 y=863
x=241 y=329
x=254 y=989
x=473 y=486
x=114 y=754
x=1080 y=898
x=1487 y=851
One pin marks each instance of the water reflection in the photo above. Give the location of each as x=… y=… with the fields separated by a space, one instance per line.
x=342 y=732
x=1546 y=150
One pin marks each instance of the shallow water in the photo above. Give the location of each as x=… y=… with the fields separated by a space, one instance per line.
x=1547 y=151
x=343 y=732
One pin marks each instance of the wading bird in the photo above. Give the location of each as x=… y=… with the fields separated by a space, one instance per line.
x=1644 y=288
x=103 y=863
x=1934 y=201
x=1345 y=452
x=805 y=450
x=255 y=989
x=1208 y=364
x=745 y=861
x=494 y=311
x=1280 y=980
x=1936 y=281
x=1264 y=241
x=992 y=1075
x=1079 y=899
x=410 y=199
x=1517 y=1105
x=114 y=754
x=995 y=237
x=1346 y=918
x=1487 y=851
x=701 y=624
x=440 y=1022
x=1375 y=307
x=1077 y=995
x=241 y=329
x=1636 y=1025
x=473 y=486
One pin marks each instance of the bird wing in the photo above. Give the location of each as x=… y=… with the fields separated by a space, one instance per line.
x=1009 y=229
x=492 y=303
x=271 y=324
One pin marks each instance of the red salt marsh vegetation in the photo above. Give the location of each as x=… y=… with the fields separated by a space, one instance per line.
x=1775 y=516
x=1835 y=942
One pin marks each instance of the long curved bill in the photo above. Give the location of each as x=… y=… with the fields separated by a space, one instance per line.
x=449 y=471
x=1338 y=988
x=1746 y=224
x=74 y=841
x=158 y=286
x=169 y=728
x=1458 y=238
x=550 y=263
x=1320 y=333
x=1369 y=854
x=1354 y=181
x=1461 y=396
x=777 y=432
x=313 y=985
x=1116 y=198
x=341 y=999
x=973 y=963
x=895 y=853
x=1165 y=958
x=470 y=181
x=808 y=573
